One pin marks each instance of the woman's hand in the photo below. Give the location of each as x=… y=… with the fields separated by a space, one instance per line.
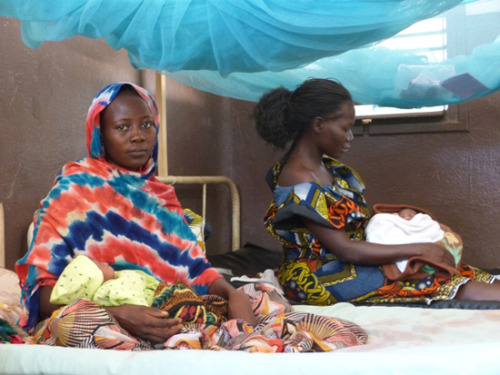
x=438 y=254
x=238 y=302
x=148 y=323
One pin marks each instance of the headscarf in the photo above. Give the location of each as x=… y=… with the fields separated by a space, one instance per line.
x=125 y=218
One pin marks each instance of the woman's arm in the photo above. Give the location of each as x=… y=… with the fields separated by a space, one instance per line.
x=239 y=304
x=46 y=308
x=367 y=253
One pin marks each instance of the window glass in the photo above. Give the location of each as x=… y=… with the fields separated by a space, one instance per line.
x=430 y=36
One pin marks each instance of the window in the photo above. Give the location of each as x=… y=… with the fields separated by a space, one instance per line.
x=449 y=119
x=432 y=37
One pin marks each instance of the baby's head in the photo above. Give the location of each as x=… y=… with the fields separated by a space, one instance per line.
x=107 y=271
x=407 y=213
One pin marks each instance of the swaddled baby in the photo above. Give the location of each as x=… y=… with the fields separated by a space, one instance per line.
x=88 y=278
x=407 y=225
x=97 y=281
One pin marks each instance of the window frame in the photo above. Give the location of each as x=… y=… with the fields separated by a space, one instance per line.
x=453 y=118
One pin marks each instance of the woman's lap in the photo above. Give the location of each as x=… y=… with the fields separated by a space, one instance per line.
x=84 y=324
x=332 y=283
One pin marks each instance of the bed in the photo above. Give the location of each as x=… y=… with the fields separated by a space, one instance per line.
x=459 y=337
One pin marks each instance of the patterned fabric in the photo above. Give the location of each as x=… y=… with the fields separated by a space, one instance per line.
x=293 y=332
x=310 y=274
x=197 y=225
x=84 y=324
x=266 y=299
x=8 y=335
x=124 y=218
x=181 y=301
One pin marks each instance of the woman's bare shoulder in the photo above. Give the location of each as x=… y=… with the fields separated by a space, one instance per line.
x=292 y=175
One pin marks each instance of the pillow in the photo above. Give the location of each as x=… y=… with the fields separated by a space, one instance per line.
x=10 y=296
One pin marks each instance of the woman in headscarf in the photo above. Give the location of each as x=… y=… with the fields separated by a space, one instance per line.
x=110 y=207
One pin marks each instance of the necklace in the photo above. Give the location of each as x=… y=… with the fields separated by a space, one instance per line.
x=327 y=181
x=315 y=177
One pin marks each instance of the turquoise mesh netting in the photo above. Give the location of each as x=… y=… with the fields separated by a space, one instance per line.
x=242 y=48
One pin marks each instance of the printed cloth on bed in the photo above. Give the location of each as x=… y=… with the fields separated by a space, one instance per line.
x=181 y=301
x=84 y=324
x=9 y=335
x=310 y=274
x=126 y=219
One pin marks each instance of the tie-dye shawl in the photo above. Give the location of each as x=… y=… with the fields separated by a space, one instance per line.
x=127 y=219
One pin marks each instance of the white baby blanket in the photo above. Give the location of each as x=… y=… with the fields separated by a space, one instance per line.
x=392 y=229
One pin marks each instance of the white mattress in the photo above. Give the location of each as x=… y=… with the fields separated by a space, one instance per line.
x=402 y=340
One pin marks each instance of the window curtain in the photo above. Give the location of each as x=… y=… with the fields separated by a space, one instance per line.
x=243 y=48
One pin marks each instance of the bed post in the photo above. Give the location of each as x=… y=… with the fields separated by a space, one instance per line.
x=2 y=236
x=161 y=100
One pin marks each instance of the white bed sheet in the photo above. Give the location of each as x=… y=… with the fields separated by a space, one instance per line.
x=402 y=340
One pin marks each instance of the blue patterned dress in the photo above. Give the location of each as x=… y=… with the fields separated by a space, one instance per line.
x=311 y=274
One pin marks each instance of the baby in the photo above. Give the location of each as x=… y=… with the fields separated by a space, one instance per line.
x=407 y=225
x=407 y=213
x=97 y=281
